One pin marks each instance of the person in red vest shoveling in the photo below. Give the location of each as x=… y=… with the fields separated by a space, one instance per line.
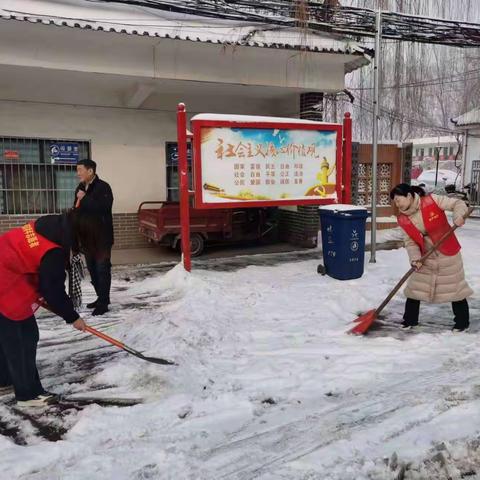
x=441 y=278
x=33 y=261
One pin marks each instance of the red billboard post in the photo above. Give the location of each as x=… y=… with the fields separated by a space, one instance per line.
x=184 y=193
x=246 y=161
x=347 y=158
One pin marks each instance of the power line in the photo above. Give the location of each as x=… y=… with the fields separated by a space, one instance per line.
x=430 y=82
x=323 y=17
x=392 y=115
x=396 y=116
x=318 y=17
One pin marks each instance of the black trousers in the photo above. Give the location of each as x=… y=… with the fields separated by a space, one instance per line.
x=460 y=310
x=100 y=269
x=18 y=357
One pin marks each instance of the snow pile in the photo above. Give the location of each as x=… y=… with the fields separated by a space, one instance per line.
x=176 y=280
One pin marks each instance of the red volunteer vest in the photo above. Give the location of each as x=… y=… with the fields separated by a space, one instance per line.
x=21 y=250
x=436 y=225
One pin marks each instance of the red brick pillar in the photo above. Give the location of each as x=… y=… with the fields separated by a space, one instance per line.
x=300 y=227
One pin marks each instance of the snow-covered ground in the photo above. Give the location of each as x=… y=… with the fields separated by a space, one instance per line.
x=268 y=385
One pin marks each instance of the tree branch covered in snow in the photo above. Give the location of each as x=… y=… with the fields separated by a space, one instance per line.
x=422 y=86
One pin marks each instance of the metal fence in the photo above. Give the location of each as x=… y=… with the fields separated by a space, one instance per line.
x=37 y=176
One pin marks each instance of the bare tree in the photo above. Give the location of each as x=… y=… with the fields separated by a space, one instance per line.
x=422 y=86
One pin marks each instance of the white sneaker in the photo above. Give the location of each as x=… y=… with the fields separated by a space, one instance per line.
x=8 y=389
x=40 y=401
x=407 y=326
x=459 y=330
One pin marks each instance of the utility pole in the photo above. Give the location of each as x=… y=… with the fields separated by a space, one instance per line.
x=376 y=90
x=436 y=151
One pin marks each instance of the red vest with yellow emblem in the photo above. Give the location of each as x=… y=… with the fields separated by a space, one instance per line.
x=21 y=250
x=436 y=225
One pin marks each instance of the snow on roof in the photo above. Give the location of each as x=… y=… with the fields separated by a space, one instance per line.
x=470 y=118
x=135 y=20
x=253 y=118
x=432 y=140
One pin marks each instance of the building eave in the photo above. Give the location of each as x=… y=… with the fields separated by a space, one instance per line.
x=87 y=16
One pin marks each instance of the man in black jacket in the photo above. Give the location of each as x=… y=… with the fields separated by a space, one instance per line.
x=94 y=197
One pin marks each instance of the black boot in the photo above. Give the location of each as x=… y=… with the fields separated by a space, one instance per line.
x=92 y=304
x=104 y=280
x=462 y=316
x=412 y=310
x=100 y=309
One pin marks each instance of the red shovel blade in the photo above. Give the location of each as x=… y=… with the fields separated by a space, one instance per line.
x=363 y=323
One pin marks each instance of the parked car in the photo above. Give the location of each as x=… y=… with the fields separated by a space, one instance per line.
x=161 y=225
x=463 y=194
x=444 y=178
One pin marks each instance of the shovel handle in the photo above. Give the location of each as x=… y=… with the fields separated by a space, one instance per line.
x=424 y=257
x=105 y=337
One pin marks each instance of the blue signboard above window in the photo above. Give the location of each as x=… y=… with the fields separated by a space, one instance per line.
x=64 y=152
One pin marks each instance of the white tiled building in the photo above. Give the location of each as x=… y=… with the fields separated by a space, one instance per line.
x=469 y=125
x=104 y=79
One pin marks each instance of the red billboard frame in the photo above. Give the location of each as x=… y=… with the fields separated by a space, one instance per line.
x=198 y=124
x=343 y=165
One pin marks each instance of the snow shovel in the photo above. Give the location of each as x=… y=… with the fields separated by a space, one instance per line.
x=111 y=340
x=121 y=345
x=364 y=322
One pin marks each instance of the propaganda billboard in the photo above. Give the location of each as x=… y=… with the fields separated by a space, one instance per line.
x=266 y=163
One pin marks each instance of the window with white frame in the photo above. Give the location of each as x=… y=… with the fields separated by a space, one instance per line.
x=38 y=176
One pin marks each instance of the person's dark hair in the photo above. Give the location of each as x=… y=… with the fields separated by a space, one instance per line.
x=86 y=232
x=88 y=163
x=403 y=189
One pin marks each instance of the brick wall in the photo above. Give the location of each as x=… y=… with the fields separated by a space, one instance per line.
x=299 y=227
x=11 y=221
x=124 y=224
x=399 y=163
x=125 y=227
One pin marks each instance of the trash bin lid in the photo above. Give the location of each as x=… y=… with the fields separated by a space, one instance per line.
x=341 y=207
